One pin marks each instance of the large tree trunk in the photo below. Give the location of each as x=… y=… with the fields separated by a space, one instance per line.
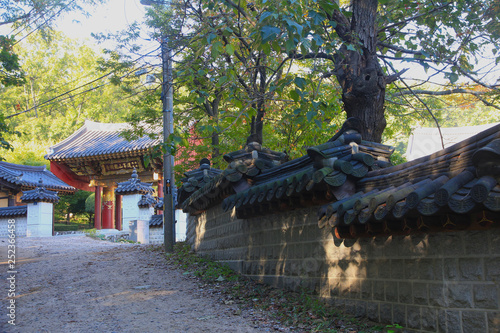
x=359 y=73
x=212 y=110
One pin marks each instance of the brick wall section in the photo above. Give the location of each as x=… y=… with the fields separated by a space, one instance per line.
x=21 y=226
x=442 y=282
x=156 y=235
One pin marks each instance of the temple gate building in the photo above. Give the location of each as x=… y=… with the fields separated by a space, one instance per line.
x=96 y=157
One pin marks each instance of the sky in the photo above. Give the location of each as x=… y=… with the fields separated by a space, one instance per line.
x=112 y=16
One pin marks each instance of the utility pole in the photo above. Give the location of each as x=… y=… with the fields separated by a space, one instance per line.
x=167 y=98
x=168 y=160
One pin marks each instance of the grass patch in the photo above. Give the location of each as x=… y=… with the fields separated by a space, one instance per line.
x=66 y=227
x=299 y=310
x=206 y=269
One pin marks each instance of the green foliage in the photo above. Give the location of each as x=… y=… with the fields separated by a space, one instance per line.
x=10 y=70
x=71 y=204
x=90 y=204
x=19 y=17
x=238 y=66
x=57 y=96
x=66 y=227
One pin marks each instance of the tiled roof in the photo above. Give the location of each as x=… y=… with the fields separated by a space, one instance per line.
x=196 y=179
x=40 y=194
x=243 y=166
x=26 y=176
x=159 y=204
x=255 y=186
x=359 y=193
x=147 y=200
x=446 y=190
x=134 y=186
x=156 y=221
x=14 y=211
x=98 y=140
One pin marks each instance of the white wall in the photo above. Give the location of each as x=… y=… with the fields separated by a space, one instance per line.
x=20 y=225
x=39 y=219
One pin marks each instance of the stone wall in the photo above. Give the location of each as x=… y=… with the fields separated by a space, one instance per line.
x=21 y=225
x=441 y=282
x=156 y=235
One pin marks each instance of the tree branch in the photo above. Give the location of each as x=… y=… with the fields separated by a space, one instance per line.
x=343 y=25
x=319 y=55
x=414 y=17
x=424 y=104
x=241 y=11
x=391 y=78
x=399 y=49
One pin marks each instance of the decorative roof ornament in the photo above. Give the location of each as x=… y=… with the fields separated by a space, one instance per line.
x=159 y=204
x=195 y=179
x=40 y=194
x=134 y=186
x=147 y=201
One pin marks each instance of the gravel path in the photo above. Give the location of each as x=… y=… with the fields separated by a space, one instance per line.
x=78 y=284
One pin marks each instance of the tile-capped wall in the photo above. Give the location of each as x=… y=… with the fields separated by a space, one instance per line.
x=442 y=282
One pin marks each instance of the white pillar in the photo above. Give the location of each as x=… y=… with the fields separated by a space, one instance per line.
x=130 y=209
x=145 y=213
x=39 y=222
x=139 y=231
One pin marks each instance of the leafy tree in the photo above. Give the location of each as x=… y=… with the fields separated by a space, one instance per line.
x=24 y=17
x=298 y=68
x=63 y=89
x=71 y=204
x=363 y=42
x=229 y=84
x=90 y=207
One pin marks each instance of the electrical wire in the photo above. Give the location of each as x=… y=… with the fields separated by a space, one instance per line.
x=44 y=23
x=56 y=98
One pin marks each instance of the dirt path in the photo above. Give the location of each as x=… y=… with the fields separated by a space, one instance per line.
x=77 y=284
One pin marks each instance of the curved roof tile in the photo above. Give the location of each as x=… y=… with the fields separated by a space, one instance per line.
x=40 y=194
x=14 y=211
x=28 y=176
x=100 y=139
x=134 y=186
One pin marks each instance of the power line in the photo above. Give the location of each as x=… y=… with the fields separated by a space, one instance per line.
x=44 y=23
x=54 y=99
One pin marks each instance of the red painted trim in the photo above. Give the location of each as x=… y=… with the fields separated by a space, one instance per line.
x=69 y=177
x=118 y=212
x=107 y=215
x=97 y=208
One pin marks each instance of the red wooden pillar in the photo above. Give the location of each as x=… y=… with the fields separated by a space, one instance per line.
x=108 y=196
x=118 y=211
x=97 y=208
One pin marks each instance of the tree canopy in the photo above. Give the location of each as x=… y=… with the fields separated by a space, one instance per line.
x=277 y=60
x=289 y=72
x=63 y=88
x=23 y=17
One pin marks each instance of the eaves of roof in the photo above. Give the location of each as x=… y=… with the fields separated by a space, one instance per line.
x=40 y=194
x=254 y=184
x=360 y=194
x=100 y=140
x=15 y=211
x=450 y=189
x=28 y=177
x=156 y=220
